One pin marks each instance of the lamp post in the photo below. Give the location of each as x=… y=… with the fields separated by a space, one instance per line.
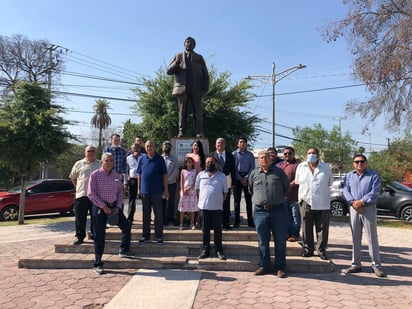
x=275 y=78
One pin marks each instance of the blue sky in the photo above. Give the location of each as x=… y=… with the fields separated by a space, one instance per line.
x=127 y=39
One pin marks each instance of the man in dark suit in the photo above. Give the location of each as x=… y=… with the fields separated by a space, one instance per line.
x=190 y=85
x=227 y=166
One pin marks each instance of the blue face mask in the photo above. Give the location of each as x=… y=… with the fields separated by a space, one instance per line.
x=312 y=158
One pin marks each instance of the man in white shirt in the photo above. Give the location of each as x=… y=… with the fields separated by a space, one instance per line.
x=211 y=187
x=314 y=179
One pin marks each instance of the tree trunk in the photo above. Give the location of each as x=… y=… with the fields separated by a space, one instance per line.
x=23 y=180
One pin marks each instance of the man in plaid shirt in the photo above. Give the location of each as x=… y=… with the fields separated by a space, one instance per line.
x=105 y=191
x=119 y=155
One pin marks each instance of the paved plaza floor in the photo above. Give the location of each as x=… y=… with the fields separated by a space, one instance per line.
x=82 y=288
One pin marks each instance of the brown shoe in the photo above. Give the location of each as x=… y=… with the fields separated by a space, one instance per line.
x=292 y=238
x=261 y=271
x=281 y=274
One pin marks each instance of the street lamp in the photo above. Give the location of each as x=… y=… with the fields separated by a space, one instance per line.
x=275 y=78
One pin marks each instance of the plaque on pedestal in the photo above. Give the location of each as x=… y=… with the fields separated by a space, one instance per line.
x=183 y=145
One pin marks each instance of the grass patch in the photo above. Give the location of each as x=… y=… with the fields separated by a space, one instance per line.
x=385 y=222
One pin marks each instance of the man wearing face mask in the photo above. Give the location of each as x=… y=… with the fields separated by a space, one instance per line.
x=314 y=179
x=211 y=188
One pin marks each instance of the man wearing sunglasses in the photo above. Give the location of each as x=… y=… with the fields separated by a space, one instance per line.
x=79 y=175
x=361 y=190
x=289 y=166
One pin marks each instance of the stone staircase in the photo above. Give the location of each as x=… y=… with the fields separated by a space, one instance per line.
x=179 y=251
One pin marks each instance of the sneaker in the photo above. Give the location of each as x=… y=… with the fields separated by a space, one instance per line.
x=353 y=269
x=292 y=238
x=322 y=255
x=220 y=255
x=205 y=254
x=98 y=269
x=144 y=240
x=307 y=253
x=77 y=242
x=126 y=254
x=193 y=227
x=160 y=241
x=378 y=272
x=181 y=228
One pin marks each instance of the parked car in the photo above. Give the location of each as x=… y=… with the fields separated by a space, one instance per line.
x=395 y=199
x=338 y=203
x=42 y=196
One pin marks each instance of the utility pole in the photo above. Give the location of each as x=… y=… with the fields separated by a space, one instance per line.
x=49 y=68
x=275 y=78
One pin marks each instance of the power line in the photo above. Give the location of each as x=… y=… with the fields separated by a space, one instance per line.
x=93 y=96
x=101 y=78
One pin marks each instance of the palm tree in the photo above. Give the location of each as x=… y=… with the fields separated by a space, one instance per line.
x=101 y=119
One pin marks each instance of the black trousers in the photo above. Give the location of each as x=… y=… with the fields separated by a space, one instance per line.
x=169 y=205
x=132 y=198
x=226 y=210
x=212 y=219
x=82 y=206
x=99 y=222
x=248 y=199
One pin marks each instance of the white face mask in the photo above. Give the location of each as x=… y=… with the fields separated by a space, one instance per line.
x=312 y=158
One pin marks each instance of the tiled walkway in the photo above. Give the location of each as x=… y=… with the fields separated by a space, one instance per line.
x=82 y=288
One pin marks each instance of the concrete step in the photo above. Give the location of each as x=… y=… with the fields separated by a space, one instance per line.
x=175 y=248
x=173 y=233
x=179 y=251
x=51 y=260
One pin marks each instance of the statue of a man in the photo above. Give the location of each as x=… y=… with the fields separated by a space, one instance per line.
x=190 y=85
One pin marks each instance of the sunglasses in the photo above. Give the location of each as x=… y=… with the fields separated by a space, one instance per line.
x=287 y=153
x=359 y=161
x=91 y=150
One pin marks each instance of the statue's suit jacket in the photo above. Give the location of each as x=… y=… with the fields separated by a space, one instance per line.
x=200 y=76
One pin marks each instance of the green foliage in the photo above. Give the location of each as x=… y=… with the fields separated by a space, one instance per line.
x=395 y=163
x=101 y=118
x=31 y=129
x=334 y=146
x=66 y=159
x=224 y=114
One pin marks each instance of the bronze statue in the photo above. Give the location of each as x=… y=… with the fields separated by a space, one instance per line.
x=190 y=85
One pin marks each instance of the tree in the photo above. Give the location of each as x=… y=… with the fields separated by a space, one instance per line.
x=31 y=131
x=334 y=148
x=101 y=118
x=394 y=163
x=25 y=60
x=223 y=114
x=379 y=33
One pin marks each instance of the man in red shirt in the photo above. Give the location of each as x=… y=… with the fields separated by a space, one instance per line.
x=289 y=165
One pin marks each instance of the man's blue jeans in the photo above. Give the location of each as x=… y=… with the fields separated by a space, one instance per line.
x=275 y=222
x=294 y=219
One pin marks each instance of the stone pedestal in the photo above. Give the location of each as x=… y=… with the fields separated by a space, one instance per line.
x=183 y=145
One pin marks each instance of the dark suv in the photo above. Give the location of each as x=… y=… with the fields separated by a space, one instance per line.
x=395 y=199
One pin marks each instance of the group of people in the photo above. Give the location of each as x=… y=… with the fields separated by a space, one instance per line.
x=288 y=189
x=281 y=197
